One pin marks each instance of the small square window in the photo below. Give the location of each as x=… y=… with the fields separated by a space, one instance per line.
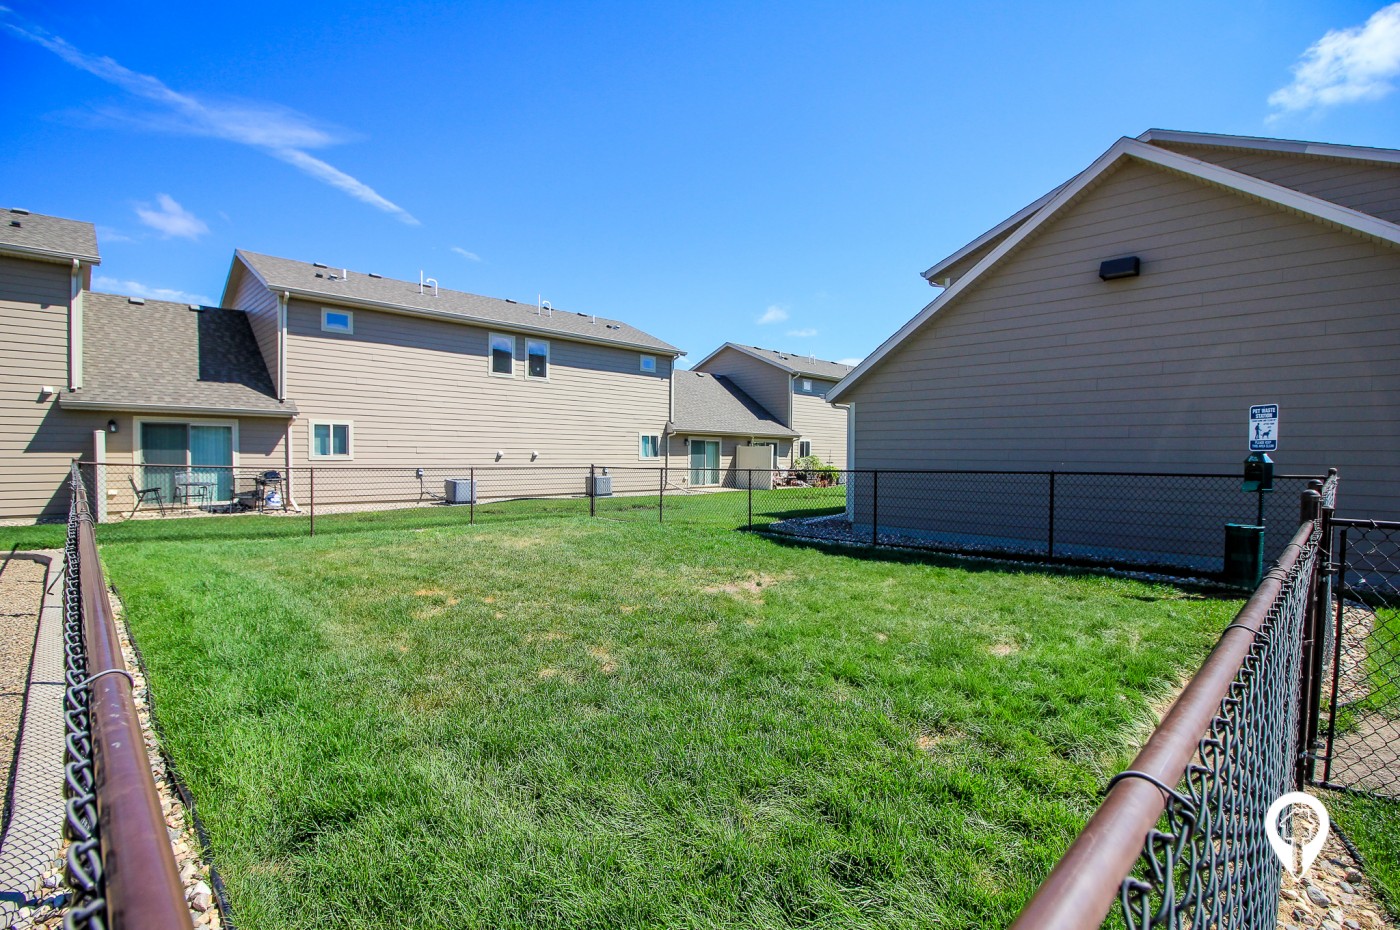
x=650 y=446
x=804 y=449
x=337 y=321
x=503 y=355
x=807 y=385
x=649 y=364
x=538 y=358
x=330 y=440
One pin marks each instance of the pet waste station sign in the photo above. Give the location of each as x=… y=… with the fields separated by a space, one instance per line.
x=1263 y=428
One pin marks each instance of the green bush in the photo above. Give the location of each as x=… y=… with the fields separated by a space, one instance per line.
x=813 y=468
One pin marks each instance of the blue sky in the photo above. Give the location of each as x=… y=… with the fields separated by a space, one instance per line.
x=773 y=174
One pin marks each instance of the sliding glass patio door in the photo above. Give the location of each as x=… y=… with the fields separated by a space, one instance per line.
x=704 y=462
x=175 y=456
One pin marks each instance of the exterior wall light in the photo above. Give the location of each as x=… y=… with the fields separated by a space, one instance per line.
x=1116 y=268
x=111 y=426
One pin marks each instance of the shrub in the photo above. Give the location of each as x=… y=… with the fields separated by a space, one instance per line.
x=813 y=468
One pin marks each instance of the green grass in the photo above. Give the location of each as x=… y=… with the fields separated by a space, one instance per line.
x=575 y=723
x=1373 y=826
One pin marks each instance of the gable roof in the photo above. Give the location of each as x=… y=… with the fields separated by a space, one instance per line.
x=1247 y=185
x=162 y=357
x=1286 y=146
x=707 y=403
x=47 y=238
x=353 y=288
x=790 y=362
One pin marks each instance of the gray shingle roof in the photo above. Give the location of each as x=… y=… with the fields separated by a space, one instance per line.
x=37 y=234
x=164 y=355
x=707 y=403
x=798 y=364
x=285 y=274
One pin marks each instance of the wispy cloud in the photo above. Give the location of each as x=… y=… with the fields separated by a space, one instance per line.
x=106 y=234
x=279 y=131
x=849 y=361
x=137 y=289
x=1345 y=66
x=170 y=219
x=774 y=314
x=469 y=256
x=802 y=333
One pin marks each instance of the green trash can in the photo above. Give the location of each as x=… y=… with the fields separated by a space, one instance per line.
x=1244 y=555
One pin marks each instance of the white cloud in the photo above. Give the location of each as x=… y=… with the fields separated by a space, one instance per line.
x=802 y=333
x=853 y=362
x=774 y=314
x=106 y=234
x=1345 y=66
x=171 y=219
x=469 y=256
x=137 y=289
x=273 y=129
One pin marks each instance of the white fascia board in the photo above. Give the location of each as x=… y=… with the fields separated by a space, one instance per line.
x=67 y=402
x=480 y=322
x=228 y=279
x=1326 y=211
x=1264 y=144
x=46 y=255
x=727 y=345
x=1019 y=216
x=759 y=434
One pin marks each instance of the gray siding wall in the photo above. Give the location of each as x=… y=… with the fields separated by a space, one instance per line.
x=821 y=424
x=761 y=381
x=261 y=306
x=418 y=392
x=1370 y=188
x=1042 y=365
x=37 y=439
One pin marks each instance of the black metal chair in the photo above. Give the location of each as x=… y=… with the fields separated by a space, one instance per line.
x=188 y=488
x=147 y=494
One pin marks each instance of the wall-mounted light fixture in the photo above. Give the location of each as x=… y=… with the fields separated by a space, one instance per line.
x=534 y=455
x=1116 y=268
x=111 y=426
x=500 y=455
x=46 y=390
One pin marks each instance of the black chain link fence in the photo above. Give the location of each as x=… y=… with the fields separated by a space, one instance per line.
x=1362 y=727
x=1164 y=522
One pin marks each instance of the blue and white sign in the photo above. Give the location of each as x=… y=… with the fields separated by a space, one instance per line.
x=1263 y=428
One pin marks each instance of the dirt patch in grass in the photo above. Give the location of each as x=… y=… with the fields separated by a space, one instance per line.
x=549 y=672
x=882 y=637
x=606 y=663
x=428 y=592
x=548 y=636
x=748 y=588
x=929 y=740
x=1004 y=649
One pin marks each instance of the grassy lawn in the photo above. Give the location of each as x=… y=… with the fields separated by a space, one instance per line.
x=574 y=723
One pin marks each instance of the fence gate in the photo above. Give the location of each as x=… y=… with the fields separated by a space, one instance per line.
x=1360 y=707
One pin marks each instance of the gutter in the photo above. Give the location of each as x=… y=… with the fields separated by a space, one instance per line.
x=47 y=255
x=70 y=402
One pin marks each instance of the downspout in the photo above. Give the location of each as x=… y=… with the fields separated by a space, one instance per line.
x=289 y=485
x=792 y=449
x=282 y=346
x=75 y=328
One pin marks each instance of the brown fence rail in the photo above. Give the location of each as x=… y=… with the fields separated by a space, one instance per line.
x=1179 y=840
x=120 y=864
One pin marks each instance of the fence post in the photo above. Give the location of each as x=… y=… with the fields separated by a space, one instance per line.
x=750 y=484
x=875 y=508
x=312 y=489
x=471 y=498
x=1051 y=552
x=592 y=490
x=661 y=496
x=1314 y=643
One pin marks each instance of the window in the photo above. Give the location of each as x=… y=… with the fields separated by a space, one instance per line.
x=330 y=441
x=649 y=364
x=503 y=355
x=650 y=447
x=804 y=449
x=807 y=385
x=537 y=365
x=337 y=321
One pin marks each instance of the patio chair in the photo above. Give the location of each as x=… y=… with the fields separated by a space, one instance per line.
x=189 y=488
x=147 y=494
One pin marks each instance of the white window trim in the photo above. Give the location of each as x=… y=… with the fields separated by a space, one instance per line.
x=806 y=385
x=648 y=458
x=491 y=354
x=720 y=468
x=349 y=315
x=548 y=364
x=642 y=362
x=800 y=444
x=349 y=441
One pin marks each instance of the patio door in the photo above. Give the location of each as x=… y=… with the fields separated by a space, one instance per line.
x=704 y=462
x=177 y=452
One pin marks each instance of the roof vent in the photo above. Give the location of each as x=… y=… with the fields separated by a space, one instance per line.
x=509 y=301
x=426 y=282
x=139 y=301
x=19 y=212
x=196 y=307
x=14 y=223
x=373 y=275
x=319 y=275
x=319 y=265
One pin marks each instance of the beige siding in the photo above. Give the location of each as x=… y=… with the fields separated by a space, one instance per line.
x=821 y=424
x=1369 y=187
x=37 y=440
x=261 y=306
x=1042 y=365
x=679 y=464
x=965 y=264
x=418 y=392
x=763 y=382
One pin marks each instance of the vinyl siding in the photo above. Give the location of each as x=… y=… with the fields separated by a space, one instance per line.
x=1366 y=186
x=261 y=306
x=821 y=424
x=418 y=392
x=679 y=467
x=1042 y=365
x=763 y=382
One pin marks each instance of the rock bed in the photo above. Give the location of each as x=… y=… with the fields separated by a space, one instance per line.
x=1333 y=895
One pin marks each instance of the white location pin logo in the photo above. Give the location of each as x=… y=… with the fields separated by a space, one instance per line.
x=1284 y=848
